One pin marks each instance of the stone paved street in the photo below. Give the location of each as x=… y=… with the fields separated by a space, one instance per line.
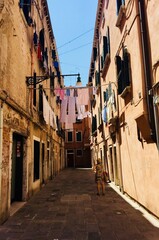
x=67 y=208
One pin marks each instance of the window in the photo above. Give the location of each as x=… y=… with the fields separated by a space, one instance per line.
x=41 y=45
x=97 y=78
x=36 y=159
x=123 y=71
x=79 y=152
x=70 y=151
x=78 y=136
x=25 y=5
x=99 y=116
x=106 y=49
x=106 y=5
x=119 y=3
x=94 y=124
x=51 y=79
x=70 y=136
x=106 y=44
x=94 y=53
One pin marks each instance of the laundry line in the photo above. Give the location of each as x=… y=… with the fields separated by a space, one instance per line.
x=71 y=87
x=48 y=88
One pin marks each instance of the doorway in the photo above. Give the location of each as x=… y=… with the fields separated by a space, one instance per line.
x=70 y=158
x=17 y=168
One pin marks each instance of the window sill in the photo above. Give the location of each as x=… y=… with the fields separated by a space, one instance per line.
x=121 y=16
x=113 y=120
x=98 y=89
x=93 y=102
x=94 y=134
x=125 y=91
x=143 y=125
x=100 y=127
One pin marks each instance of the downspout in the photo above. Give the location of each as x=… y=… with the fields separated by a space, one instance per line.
x=143 y=31
x=1 y=137
x=118 y=147
x=101 y=106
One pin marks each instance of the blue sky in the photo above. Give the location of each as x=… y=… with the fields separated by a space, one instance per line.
x=73 y=26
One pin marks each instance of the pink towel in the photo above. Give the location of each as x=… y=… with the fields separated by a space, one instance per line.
x=71 y=110
x=67 y=124
x=83 y=96
x=62 y=94
x=63 y=110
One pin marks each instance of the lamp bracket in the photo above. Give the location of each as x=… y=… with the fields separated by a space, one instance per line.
x=30 y=79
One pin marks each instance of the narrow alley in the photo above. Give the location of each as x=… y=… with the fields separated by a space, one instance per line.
x=67 y=208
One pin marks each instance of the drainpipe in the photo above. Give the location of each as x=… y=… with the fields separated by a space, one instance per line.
x=118 y=147
x=155 y=103
x=1 y=137
x=101 y=105
x=143 y=31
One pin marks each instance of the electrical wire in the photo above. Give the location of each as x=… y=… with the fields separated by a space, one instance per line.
x=75 y=48
x=76 y=38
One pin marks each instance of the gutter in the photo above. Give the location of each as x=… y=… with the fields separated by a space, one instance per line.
x=1 y=140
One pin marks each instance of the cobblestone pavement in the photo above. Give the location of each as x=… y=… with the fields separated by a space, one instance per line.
x=67 y=208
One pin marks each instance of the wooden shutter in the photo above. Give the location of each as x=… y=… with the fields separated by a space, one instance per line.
x=119 y=73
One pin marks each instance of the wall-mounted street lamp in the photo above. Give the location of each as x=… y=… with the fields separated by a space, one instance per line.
x=33 y=80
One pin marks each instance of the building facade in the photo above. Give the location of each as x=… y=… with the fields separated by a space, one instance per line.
x=77 y=145
x=125 y=97
x=31 y=137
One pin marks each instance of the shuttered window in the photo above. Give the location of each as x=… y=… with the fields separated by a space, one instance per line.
x=79 y=136
x=106 y=47
x=119 y=73
x=97 y=78
x=94 y=124
x=70 y=136
x=118 y=5
x=25 y=5
x=94 y=53
x=123 y=71
x=51 y=78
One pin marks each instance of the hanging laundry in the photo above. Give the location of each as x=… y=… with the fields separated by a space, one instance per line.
x=109 y=111
x=75 y=93
x=87 y=114
x=67 y=92
x=83 y=96
x=71 y=110
x=57 y=91
x=104 y=114
x=51 y=116
x=39 y=52
x=68 y=125
x=54 y=122
x=71 y=92
x=113 y=101
x=81 y=111
x=94 y=90
x=63 y=110
x=62 y=94
x=46 y=109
